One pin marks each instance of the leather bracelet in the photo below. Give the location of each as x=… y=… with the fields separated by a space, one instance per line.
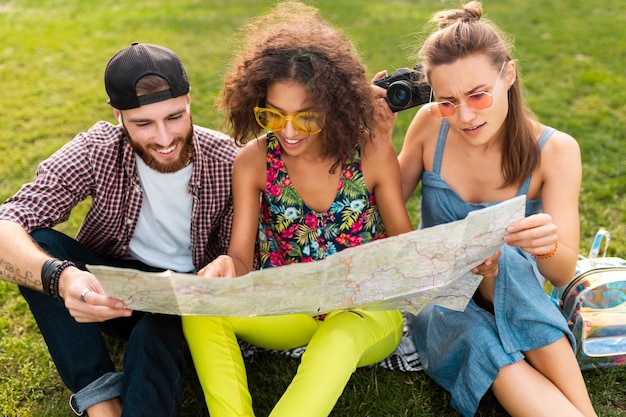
x=50 y=274
x=549 y=254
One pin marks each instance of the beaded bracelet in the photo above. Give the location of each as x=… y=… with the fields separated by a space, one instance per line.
x=549 y=254
x=50 y=275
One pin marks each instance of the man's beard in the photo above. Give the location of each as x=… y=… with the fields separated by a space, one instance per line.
x=186 y=145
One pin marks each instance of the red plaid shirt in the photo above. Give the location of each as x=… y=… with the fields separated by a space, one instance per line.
x=101 y=164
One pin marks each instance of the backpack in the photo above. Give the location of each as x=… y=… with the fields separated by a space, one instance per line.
x=594 y=305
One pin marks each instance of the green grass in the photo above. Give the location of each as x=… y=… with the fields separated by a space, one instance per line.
x=52 y=57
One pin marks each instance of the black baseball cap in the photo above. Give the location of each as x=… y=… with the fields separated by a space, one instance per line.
x=138 y=60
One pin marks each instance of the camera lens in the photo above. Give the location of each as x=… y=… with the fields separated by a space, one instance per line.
x=399 y=94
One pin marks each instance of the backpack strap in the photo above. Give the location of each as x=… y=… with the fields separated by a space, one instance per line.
x=597 y=242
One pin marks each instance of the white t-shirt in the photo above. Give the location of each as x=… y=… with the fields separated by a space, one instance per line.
x=162 y=237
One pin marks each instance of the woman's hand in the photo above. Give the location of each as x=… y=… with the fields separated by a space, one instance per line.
x=221 y=267
x=484 y=295
x=534 y=234
x=384 y=117
x=489 y=268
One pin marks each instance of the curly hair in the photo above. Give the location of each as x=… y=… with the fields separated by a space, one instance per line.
x=464 y=32
x=294 y=43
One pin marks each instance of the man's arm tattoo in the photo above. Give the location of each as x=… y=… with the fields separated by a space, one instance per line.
x=25 y=278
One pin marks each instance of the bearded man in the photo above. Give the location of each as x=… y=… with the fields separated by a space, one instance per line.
x=161 y=198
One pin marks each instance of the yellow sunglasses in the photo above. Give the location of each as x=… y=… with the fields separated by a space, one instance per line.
x=307 y=122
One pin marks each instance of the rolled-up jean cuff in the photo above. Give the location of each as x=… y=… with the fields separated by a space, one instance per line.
x=106 y=387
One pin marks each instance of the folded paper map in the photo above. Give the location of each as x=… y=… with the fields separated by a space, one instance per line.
x=403 y=272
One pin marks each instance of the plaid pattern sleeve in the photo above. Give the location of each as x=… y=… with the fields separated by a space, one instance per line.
x=60 y=182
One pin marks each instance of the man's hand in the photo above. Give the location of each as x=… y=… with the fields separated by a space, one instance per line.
x=85 y=299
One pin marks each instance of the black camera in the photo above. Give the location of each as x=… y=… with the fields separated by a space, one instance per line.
x=404 y=89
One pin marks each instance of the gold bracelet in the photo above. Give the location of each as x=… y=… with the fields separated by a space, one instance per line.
x=549 y=254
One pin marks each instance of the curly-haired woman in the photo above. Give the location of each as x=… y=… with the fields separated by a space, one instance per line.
x=321 y=180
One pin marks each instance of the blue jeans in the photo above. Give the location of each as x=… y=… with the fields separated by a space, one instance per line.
x=155 y=358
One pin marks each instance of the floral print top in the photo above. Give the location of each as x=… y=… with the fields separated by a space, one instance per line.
x=291 y=232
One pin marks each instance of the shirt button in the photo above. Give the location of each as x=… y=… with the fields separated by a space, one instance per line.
x=129 y=221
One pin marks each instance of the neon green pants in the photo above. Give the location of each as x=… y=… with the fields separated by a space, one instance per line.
x=336 y=346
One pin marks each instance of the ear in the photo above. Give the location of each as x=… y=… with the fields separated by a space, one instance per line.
x=511 y=73
x=118 y=115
